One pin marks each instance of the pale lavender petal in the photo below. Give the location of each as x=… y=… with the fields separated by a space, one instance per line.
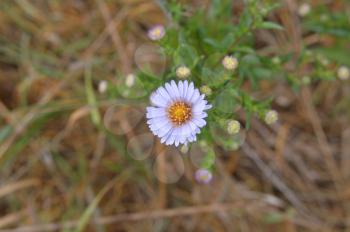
x=166 y=137
x=200 y=115
x=192 y=125
x=162 y=91
x=189 y=93
x=199 y=122
x=199 y=106
x=177 y=141
x=207 y=107
x=181 y=89
x=170 y=91
x=158 y=123
x=195 y=96
x=158 y=100
x=170 y=140
x=153 y=112
x=187 y=130
x=165 y=129
x=200 y=99
x=185 y=88
x=175 y=89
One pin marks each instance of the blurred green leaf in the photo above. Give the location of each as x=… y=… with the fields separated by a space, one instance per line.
x=4 y=132
x=270 y=25
x=226 y=102
x=186 y=55
x=91 y=98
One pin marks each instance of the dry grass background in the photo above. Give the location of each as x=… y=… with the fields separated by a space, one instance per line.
x=61 y=172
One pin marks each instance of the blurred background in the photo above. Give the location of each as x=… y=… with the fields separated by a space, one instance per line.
x=73 y=159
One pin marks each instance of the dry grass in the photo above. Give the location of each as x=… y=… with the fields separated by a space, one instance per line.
x=62 y=171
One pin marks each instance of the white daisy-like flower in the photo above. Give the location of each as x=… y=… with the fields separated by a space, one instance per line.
x=230 y=62
x=156 y=32
x=178 y=113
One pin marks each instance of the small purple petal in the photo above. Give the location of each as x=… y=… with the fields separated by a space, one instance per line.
x=203 y=176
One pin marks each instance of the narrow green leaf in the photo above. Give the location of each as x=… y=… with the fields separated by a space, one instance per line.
x=4 y=132
x=91 y=98
x=270 y=25
x=84 y=219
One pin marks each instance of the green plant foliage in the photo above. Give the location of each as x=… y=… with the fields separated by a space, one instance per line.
x=200 y=39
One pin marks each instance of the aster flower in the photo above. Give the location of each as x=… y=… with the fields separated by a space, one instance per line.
x=271 y=117
x=230 y=62
x=183 y=72
x=203 y=176
x=156 y=32
x=178 y=113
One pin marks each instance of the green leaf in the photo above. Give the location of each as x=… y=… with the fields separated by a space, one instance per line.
x=212 y=42
x=228 y=41
x=270 y=25
x=214 y=77
x=91 y=98
x=84 y=219
x=221 y=9
x=186 y=55
x=250 y=60
x=262 y=73
x=226 y=102
x=274 y=217
x=4 y=132
x=209 y=160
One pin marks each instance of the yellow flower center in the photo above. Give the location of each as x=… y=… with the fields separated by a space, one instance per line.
x=157 y=32
x=204 y=177
x=179 y=113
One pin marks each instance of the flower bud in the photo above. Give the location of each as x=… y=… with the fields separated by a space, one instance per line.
x=230 y=62
x=276 y=60
x=203 y=176
x=233 y=127
x=304 y=9
x=271 y=117
x=306 y=80
x=156 y=32
x=102 y=86
x=206 y=90
x=184 y=149
x=183 y=72
x=343 y=73
x=130 y=80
